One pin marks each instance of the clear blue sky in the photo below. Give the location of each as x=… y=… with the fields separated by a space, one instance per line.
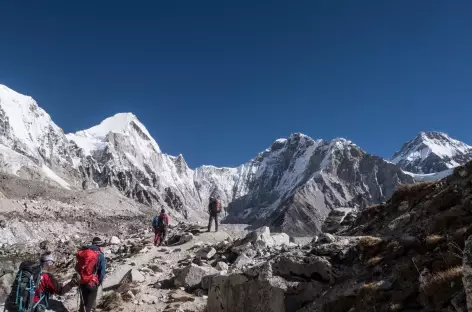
x=218 y=81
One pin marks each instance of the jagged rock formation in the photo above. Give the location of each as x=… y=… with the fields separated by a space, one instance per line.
x=298 y=181
x=431 y=152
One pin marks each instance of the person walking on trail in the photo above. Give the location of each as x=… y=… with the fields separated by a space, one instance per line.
x=34 y=284
x=91 y=267
x=214 y=208
x=160 y=224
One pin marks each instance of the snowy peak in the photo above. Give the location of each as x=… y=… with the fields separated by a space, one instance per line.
x=431 y=152
x=126 y=124
x=24 y=126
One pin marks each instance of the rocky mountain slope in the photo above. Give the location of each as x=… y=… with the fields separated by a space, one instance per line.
x=291 y=186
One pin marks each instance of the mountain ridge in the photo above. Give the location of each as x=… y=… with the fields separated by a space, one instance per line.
x=291 y=185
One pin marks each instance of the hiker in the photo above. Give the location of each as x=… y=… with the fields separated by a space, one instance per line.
x=34 y=284
x=160 y=224
x=91 y=266
x=214 y=208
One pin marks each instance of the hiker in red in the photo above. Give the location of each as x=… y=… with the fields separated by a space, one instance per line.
x=91 y=266
x=160 y=224
x=48 y=285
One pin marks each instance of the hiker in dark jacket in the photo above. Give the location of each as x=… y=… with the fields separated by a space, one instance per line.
x=213 y=209
x=90 y=282
x=160 y=224
x=46 y=285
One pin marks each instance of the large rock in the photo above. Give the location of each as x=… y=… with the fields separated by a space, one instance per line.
x=133 y=276
x=237 y=293
x=192 y=275
x=242 y=261
x=399 y=222
x=114 y=241
x=206 y=253
x=207 y=281
x=262 y=238
x=467 y=272
x=312 y=267
x=222 y=266
x=187 y=237
x=280 y=239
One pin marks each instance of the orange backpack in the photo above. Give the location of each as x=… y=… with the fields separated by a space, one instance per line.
x=87 y=266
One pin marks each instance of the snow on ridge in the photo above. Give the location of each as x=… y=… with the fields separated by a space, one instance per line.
x=29 y=122
x=95 y=138
x=433 y=142
x=427 y=177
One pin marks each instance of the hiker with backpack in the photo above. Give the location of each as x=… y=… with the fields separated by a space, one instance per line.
x=33 y=286
x=214 y=208
x=160 y=223
x=91 y=267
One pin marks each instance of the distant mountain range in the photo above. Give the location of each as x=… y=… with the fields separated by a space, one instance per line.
x=292 y=185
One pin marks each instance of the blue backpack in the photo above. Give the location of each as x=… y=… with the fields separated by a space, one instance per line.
x=155 y=222
x=26 y=281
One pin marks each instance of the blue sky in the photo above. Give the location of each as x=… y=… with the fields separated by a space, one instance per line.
x=218 y=81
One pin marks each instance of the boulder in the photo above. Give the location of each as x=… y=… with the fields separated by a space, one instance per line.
x=192 y=275
x=114 y=241
x=133 y=276
x=187 y=237
x=280 y=239
x=326 y=238
x=312 y=267
x=207 y=281
x=241 y=261
x=467 y=272
x=399 y=222
x=222 y=266
x=262 y=238
x=237 y=293
x=206 y=253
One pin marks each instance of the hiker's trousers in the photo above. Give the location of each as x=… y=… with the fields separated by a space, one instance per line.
x=88 y=297
x=213 y=216
x=159 y=236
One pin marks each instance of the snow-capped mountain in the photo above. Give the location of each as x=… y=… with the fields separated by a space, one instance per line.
x=31 y=144
x=120 y=152
x=295 y=183
x=432 y=152
x=292 y=185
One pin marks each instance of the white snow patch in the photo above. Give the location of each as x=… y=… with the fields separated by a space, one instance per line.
x=430 y=176
x=53 y=176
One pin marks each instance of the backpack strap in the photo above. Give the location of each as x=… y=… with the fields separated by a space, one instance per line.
x=18 y=287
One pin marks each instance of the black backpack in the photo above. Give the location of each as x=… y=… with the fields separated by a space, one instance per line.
x=161 y=222
x=24 y=286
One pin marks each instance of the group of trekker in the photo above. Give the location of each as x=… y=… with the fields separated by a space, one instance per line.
x=161 y=222
x=35 y=282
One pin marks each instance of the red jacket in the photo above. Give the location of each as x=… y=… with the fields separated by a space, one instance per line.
x=48 y=285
